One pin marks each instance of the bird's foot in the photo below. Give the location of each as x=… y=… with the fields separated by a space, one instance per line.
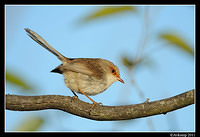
x=93 y=105
x=73 y=98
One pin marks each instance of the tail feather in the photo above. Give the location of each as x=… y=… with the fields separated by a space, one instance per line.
x=37 y=38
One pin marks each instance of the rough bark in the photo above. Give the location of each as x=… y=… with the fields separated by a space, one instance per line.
x=99 y=112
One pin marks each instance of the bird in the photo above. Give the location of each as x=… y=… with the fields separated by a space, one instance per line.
x=87 y=76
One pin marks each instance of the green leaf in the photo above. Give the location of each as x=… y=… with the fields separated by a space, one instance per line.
x=127 y=62
x=177 y=41
x=109 y=11
x=30 y=124
x=130 y=63
x=16 y=80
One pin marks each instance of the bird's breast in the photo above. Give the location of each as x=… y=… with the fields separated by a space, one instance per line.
x=90 y=85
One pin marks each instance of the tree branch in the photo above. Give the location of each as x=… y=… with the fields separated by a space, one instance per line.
x=99 y=112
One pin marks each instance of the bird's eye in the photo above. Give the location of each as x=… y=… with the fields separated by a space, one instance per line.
x=113 y=71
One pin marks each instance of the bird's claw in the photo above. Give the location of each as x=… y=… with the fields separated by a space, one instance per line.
x=93 y=105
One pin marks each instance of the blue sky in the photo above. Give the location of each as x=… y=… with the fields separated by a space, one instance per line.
x=108 y=38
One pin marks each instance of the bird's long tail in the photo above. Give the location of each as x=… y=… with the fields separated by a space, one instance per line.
x=44 y=44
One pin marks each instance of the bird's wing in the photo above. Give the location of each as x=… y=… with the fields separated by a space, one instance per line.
x=85 y=66
x=78 y=67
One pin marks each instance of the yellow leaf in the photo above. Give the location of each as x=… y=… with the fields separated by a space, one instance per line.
x=108 y=11
x=127 y=62
x=130 y=63
x=178 y=42
x=17 y=81
x=30 y=124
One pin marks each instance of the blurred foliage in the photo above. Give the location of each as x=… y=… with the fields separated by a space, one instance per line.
x=30 y=124
x=17 y=80
x=131 y=63
x=177 y=41
x=109 y=11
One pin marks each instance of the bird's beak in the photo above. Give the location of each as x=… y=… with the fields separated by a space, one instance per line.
x=119 y=79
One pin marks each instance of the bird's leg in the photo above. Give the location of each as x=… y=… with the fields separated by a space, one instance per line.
x=94 y=103
x=75 y=96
